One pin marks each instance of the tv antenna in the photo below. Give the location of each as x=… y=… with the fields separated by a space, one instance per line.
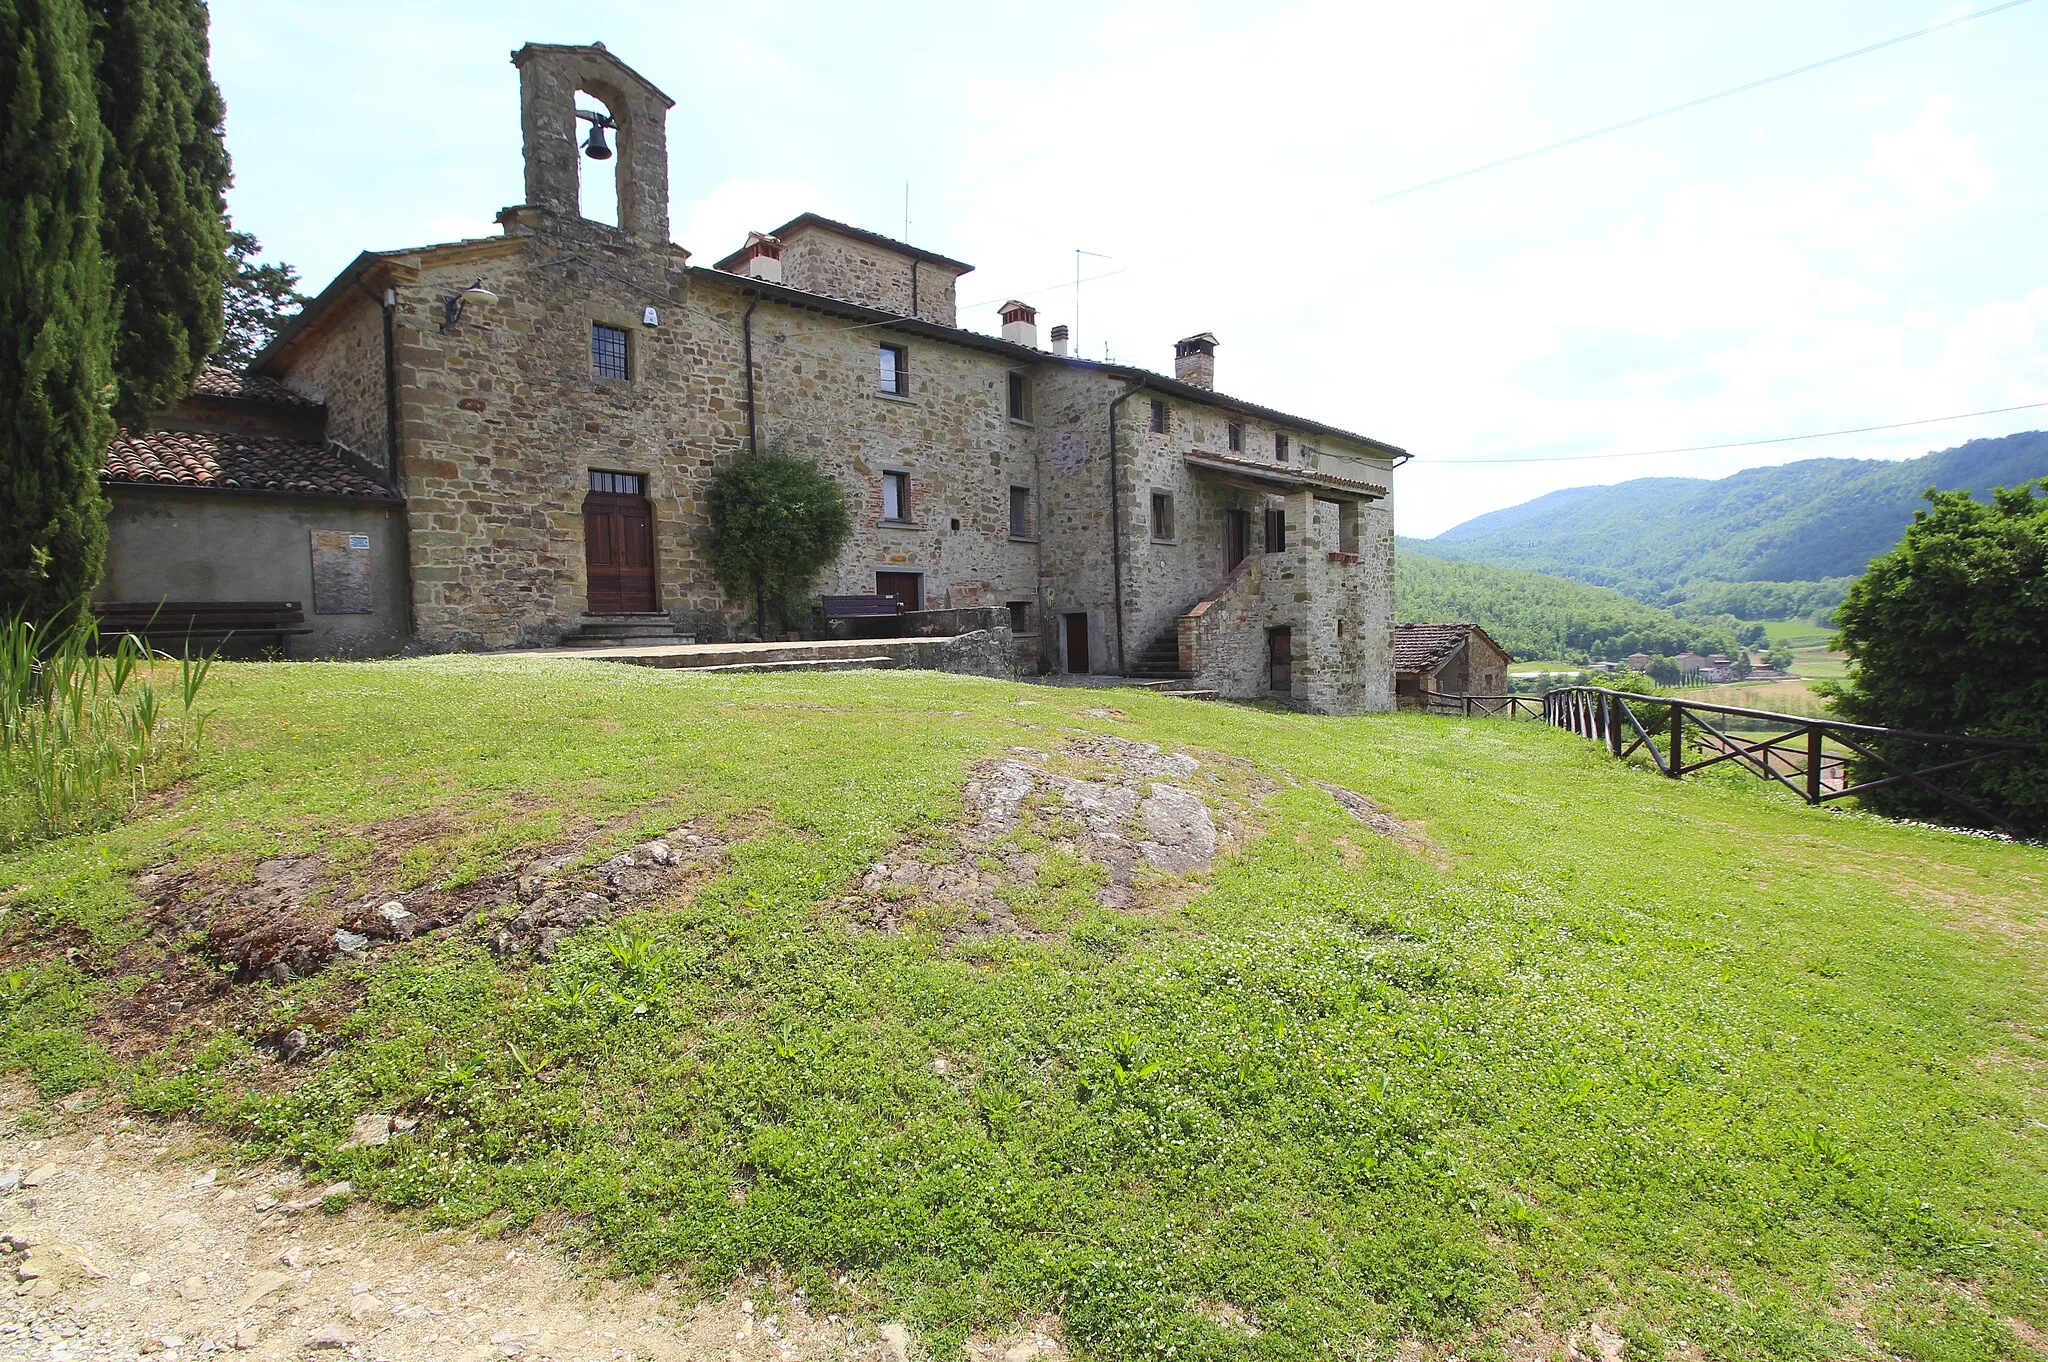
x=1078 y=253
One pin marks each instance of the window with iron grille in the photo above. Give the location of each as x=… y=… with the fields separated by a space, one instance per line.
x=895 y=371
x=624 y=484
x=1158 y=416
x=608 y=351
x=1280 y=447
x=1235 y=432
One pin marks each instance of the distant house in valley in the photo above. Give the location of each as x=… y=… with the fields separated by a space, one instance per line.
x=1692 y=664
x=1446 y=659
x=1637 y=662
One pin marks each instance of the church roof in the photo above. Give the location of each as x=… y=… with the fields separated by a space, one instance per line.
x=217 y=461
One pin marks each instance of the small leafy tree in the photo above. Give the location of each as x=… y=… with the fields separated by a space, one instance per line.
x=1663 y=671
x=259 y=299
x=1779 y=657
x=1948 y=633
x=776 y=521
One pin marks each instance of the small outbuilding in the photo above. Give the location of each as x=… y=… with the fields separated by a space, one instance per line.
x=1446 y=659
x=237 y=518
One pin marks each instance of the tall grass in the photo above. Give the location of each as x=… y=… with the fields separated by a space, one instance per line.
x=85 y=730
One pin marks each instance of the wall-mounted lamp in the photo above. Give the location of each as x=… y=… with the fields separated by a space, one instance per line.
x=593 y=145
x=451 y=307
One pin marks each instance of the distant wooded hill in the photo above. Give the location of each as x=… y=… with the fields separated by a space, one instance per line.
x=1539 y=617
x=1721 y=544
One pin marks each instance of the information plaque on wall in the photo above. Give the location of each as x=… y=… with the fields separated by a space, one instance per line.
x=341 y=574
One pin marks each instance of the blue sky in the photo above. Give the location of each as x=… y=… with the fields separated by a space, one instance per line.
x=1860 y=245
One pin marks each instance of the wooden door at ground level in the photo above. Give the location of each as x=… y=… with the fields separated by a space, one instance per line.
x=907 y=587
x=1077 y=645
x=618 y=548
x=1280 y=659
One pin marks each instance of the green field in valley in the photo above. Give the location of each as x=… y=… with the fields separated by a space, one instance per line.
x=1466 y=1040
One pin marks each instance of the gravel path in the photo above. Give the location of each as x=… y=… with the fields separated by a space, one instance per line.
x=121 y=1242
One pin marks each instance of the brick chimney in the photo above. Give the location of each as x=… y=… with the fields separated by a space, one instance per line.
x=761 y=257
x=1059 y=340
x=1194 y=360
x=1020 y=323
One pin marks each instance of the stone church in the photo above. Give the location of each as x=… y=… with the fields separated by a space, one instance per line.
x=520 y=432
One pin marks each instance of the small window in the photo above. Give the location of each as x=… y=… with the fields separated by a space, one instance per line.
x=1020 y=616
x=1280 y=447
x=608 y=351
x=896 y=497
x=1234 y=434
x=1349 y=520
x=1020 y=513
x=1020 y=398
x=618 y=484
x=1276 y=530
x=895 y=374
x=1162 y=515
x=1159 y=416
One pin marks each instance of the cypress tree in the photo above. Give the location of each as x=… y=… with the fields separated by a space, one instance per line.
x=165 y=173
x=55 y=369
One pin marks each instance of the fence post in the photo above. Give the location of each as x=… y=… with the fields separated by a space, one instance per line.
x=1614 y=703
x=1813 y=737
x=1677 y=739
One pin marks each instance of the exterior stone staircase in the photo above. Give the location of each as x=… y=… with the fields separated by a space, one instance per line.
x=612 y=631
x=1158 y=668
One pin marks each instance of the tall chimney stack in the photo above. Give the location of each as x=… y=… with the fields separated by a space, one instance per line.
x=1194 y=360
x=761 y=257
x=1020 y=323
x=1059 y=340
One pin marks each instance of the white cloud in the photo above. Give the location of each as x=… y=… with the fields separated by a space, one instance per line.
x=1935 y=167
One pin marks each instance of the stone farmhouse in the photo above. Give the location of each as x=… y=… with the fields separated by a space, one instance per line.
x=533 y=421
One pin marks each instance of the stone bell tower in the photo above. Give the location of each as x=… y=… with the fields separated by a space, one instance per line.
x=550 y=74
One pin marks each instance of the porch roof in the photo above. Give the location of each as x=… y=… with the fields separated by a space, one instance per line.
x=1282 y=477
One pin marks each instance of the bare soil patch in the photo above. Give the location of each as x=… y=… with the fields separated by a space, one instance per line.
x=121 y=1248
x=214 y=929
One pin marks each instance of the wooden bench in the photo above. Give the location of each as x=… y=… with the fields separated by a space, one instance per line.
x=169 y=626
x=861 y=607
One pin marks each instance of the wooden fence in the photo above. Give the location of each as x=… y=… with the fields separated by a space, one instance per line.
x=1682 y=736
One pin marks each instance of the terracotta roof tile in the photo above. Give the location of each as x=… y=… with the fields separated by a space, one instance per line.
x=216 y=381
x=1418 y=647
x=241 y=463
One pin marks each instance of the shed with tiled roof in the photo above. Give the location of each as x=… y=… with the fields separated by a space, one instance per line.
x=1446 y=659
x=238 y=495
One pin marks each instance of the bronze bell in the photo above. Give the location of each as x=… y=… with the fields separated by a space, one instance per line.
x=594 y=146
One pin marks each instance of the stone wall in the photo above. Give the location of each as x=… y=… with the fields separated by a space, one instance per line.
x=819 y=260
x=346 y=371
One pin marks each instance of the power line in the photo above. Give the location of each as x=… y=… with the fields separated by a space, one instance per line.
x=1749 y=444
x=1695 y=103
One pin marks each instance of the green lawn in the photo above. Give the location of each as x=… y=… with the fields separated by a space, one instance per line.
x=1737 y=1078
